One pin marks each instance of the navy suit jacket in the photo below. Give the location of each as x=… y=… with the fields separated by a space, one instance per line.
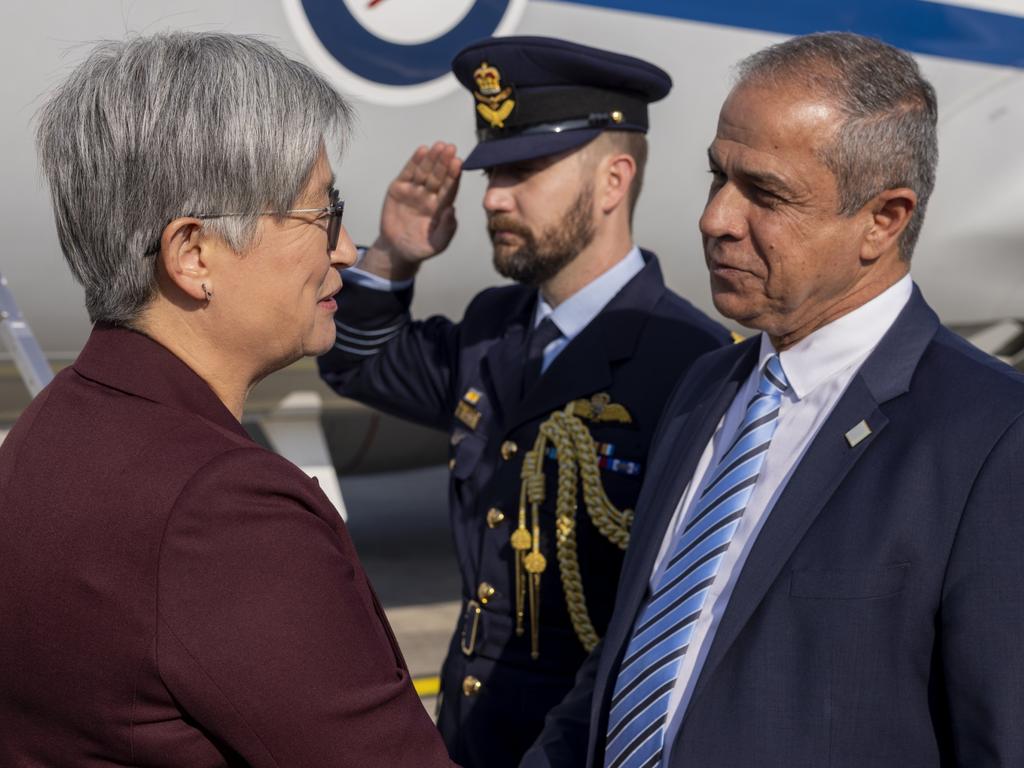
x=879 y=618
x=172 y=594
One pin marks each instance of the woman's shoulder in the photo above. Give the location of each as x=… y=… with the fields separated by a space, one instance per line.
x=247 y=502
x=246 y=470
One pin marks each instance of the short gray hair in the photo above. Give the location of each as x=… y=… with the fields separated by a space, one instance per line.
x=888 y=137
x=153 y=128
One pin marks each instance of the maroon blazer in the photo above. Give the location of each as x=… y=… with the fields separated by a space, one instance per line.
x=172 y=594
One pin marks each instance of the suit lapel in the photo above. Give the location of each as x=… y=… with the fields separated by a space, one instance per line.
x=885 y=374
x=678 y=454
x=502 y=365
x=504 y=370
x=815 y=479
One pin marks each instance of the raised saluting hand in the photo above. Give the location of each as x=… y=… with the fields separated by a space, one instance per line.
x=418 y=218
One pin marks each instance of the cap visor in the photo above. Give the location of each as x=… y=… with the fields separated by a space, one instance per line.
x=515 y=149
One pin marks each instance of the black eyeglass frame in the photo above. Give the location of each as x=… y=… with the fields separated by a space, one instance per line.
x=335 y=210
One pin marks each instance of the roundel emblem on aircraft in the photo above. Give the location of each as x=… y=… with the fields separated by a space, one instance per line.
x=395 y=52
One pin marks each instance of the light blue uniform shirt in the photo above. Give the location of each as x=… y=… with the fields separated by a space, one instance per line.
x=575 y=313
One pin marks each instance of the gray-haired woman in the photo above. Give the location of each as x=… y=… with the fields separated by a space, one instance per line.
x=171 y=594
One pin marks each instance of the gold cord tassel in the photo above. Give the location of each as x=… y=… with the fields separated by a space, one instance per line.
x=535 y=564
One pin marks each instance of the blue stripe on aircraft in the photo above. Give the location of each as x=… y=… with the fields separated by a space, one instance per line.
x=369 y=56
x=914 y=25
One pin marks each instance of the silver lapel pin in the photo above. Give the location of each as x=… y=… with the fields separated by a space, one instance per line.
x=858 y=433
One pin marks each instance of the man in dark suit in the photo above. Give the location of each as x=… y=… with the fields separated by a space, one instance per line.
x=536 y=387
x=826 y=566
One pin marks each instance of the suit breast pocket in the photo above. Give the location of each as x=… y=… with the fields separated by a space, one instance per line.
x=849 y=584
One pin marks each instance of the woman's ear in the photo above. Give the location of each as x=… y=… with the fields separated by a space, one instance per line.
x=185 y=254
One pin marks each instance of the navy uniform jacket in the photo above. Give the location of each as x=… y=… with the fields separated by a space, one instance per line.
x=879 y=616
x=635 y=350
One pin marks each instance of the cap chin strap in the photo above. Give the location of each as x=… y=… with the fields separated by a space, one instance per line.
x=608 y=120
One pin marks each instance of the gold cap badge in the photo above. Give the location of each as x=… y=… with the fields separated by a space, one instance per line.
x=488 y=79
x=494 y=103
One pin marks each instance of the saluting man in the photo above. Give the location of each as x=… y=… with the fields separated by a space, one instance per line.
x=550 y=389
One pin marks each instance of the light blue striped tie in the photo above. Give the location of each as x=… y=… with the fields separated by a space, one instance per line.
x=661 y=635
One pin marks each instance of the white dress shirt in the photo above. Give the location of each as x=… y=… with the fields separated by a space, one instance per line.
x=819 y=368
x=570 y=317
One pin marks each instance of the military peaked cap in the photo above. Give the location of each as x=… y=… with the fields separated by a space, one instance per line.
x=538 y=96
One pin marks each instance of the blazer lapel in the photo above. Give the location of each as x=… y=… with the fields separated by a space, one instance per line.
x=686 y=437
x=885 y=374
x=504 y=370
x=502 y=364
x=827 y=462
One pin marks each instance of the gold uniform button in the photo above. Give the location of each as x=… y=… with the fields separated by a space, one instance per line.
x=495 y=517
x=508 y=450
x=471 y=686
x=485 y=592
x=451 y=464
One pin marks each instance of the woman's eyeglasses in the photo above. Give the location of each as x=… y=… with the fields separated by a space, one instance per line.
x=334 y=211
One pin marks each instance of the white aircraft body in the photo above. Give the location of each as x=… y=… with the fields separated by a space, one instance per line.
x=390 y=57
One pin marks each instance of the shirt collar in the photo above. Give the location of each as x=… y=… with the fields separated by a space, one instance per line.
x=841 y=343
x=576 y=312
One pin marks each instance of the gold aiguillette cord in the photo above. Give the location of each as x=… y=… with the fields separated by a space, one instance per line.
x=521 y=542
x=535 y=564
x=530 y=563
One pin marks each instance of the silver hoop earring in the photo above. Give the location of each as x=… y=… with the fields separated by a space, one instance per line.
x=209 y=294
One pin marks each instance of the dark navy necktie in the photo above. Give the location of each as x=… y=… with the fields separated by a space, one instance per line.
x=545 y=332
x=661 y=635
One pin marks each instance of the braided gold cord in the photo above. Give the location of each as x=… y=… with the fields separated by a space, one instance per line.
x=577 y=463
x=607 y=518
x=532 y=494
x=532 y=472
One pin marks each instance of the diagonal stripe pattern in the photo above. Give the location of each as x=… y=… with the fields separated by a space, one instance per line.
x=661 y=635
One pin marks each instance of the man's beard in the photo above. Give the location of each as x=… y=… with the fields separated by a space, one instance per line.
x=539 y=259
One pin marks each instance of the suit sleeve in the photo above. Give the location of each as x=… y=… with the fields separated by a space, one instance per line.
x=269 y=634
x=982 y=614
x=383 y=358
x=563 y=742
